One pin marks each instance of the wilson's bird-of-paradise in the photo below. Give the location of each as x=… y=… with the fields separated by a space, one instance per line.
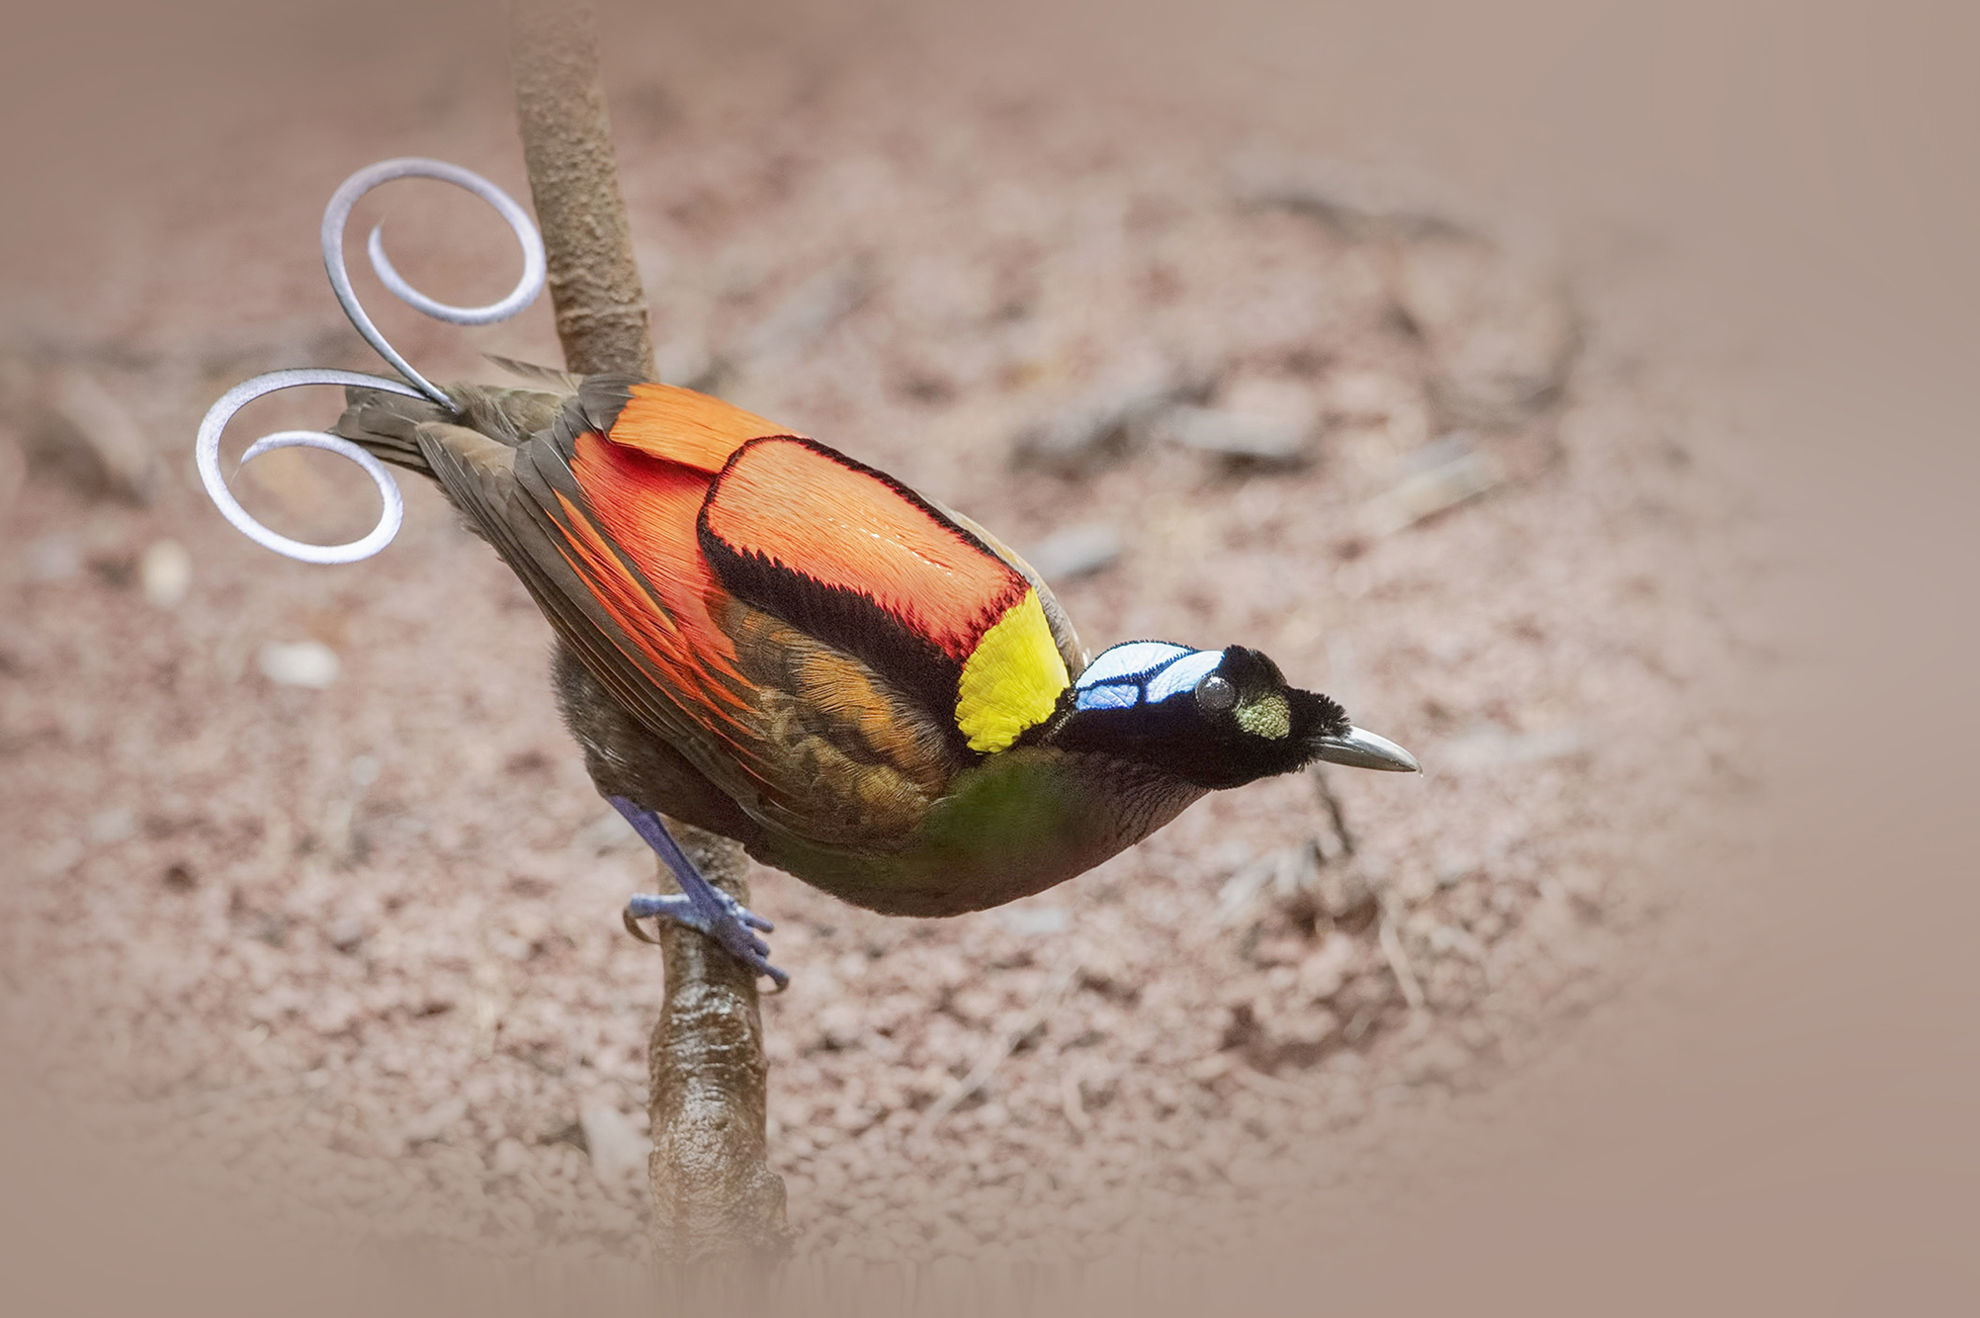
x=766 y=639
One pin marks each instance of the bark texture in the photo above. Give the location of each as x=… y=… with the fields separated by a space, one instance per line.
x=574 y=180
x=714 y=1196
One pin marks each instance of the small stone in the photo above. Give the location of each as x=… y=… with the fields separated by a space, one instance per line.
x=334 y=1015
x=346 y=934
x=1302 y=1037
x=111 y=826
x=55 y=557
x=61 y=856
x=618 y=1150
x=1235 y=436
x=1113 y=418
x=165 y=572
x=1076 y=551
x=1324 y=972
x=509 y=1159
x=436 y=1123
x=1257 y=420
x=1435 y=1061
x=1364 y=395
x=1035 y=921
x=840 y=1026
x=298 y=663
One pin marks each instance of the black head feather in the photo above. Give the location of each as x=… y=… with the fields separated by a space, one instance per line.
x=1213 y=724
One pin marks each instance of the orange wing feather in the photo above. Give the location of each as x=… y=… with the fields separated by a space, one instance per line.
x=686 y=509
x=680 y=425
x=765 y=604
x=812 y=512
x=648 y=507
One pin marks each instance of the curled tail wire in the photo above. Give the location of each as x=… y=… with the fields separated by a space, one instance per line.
x=386 y=425
x=385 y=413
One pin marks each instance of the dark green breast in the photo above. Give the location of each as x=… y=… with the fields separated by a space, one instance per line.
x=1015 y=824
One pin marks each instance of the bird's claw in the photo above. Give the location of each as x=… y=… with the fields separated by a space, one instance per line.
x=723 y=919
x=699 y=904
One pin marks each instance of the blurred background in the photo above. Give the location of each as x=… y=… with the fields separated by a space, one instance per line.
x=1576 y=391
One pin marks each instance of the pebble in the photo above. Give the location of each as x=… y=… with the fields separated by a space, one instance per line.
x=1258 y=420
x=510 y=1158
x=1113 y=418
x=1035 y=921
x=841 y=1025
x=1076 y=551
x=618 y=1149
x=1237 y=436
x=59 y=857
x=298 y=663
x=165 y=572
x=1324 y=972
x=1435 y=1061
x=436 y=1123
x=345 y=934
x=55 y=557
x=106 y=827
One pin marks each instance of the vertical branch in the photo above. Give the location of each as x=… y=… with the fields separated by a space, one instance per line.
x=713 y=1193
x=574 y=180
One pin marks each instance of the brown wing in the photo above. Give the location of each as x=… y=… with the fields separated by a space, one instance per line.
x=803 y=736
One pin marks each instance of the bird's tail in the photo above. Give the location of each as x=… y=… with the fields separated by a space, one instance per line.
x=388 y=425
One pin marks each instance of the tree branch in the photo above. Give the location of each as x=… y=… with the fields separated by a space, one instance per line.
x=574 y=180
x=713 y=1194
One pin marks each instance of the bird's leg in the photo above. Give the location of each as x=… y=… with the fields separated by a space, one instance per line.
x=699 y=904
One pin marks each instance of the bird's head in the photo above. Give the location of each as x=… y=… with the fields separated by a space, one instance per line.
x=1215 y=718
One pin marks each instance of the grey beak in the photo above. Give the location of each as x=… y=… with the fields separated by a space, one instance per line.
x=1365 y=750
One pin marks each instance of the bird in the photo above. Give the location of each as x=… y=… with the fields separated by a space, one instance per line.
x=762 y=637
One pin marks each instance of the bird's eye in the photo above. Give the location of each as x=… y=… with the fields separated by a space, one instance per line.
x=1216 y=694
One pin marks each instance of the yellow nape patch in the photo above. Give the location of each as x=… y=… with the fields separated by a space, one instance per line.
x=1012 y=678
x=1269 y=717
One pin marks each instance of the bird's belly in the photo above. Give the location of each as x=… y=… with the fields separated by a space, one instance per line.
x=1018 y=824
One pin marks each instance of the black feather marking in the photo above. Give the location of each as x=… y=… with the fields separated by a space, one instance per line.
x=846 y=620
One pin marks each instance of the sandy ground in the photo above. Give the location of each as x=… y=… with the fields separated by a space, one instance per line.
x=359 y=943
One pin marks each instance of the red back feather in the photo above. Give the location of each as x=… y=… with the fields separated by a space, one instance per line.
x=814 y=512
x=680 y=425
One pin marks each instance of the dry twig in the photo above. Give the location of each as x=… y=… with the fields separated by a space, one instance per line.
x=1393 y=952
